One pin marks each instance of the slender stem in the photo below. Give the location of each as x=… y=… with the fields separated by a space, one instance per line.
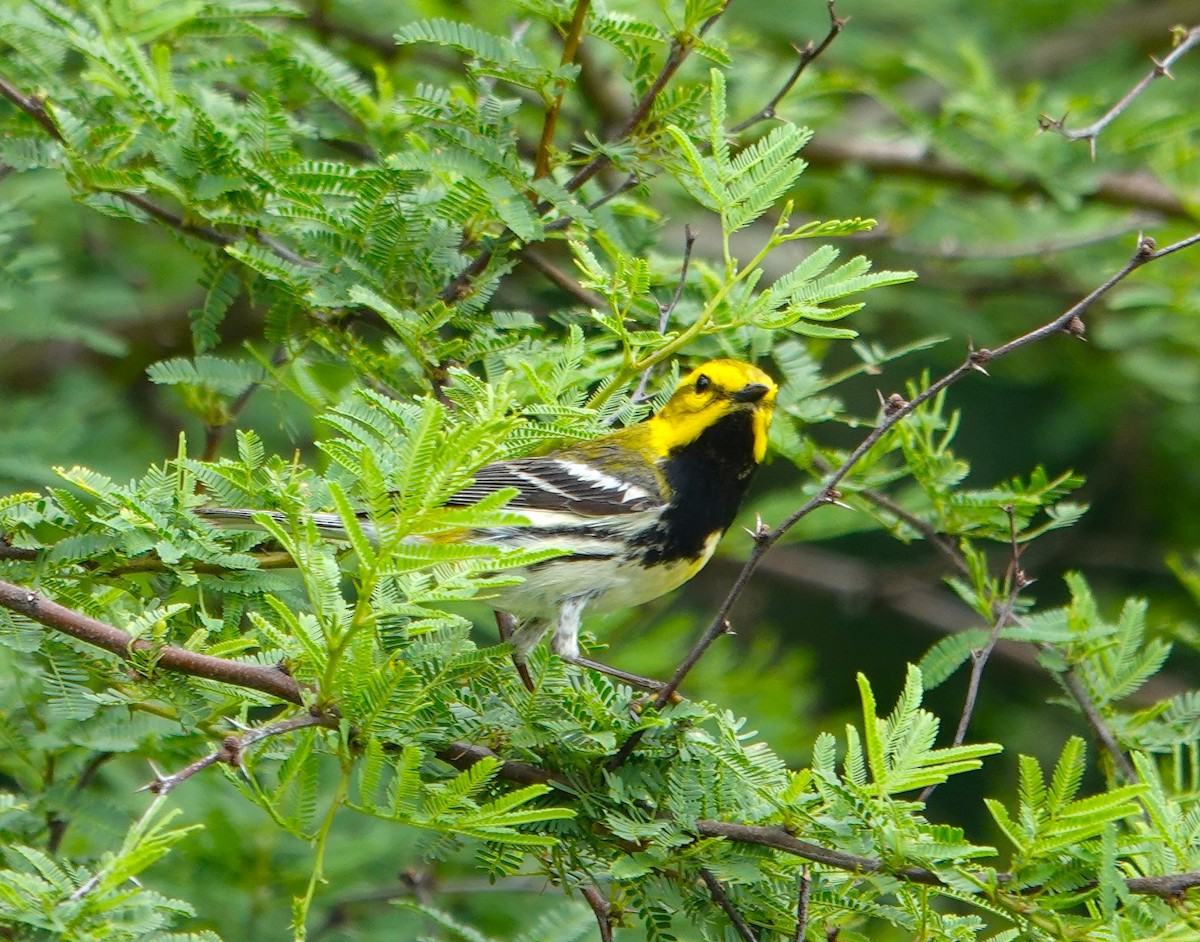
x=600 y=906
x=722 y=899
x=322 y=841
x=1189 y=39
x=570 y=47
x=1016 y=580
x=562 y=280
x=808 y=52
x=666 y=310
x=803 y=895
x=1107 y=738
x=232 y=748
x=895 y=410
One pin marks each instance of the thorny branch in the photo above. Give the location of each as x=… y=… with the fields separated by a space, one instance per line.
x=464 y=755
x=895 y=409
x=666 y=310
x=1185 y=40
x=807 y=53
x=233 y=747
x=681 y=48
x=1016 y=580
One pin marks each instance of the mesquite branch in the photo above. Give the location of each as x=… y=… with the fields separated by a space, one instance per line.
x=807 y=53
x=232 y=748
x=464 y=755
x=36 y=109
x=1187 y=39
x=895 y=409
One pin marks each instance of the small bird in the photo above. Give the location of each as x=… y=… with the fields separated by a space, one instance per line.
x=638 y=511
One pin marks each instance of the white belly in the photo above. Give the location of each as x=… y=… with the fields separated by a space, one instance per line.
x=605 y=584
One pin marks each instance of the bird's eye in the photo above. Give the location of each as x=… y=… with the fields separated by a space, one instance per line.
x=702 y=383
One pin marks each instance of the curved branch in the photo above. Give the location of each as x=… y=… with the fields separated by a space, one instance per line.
x=1187 y=39
x=275 y=681
x=464 y=755
x=35 y=107
x=895 y=409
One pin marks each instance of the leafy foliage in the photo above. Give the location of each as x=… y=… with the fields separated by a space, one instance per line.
x=347 y=232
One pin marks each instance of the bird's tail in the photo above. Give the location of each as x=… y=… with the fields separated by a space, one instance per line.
x=329 y=525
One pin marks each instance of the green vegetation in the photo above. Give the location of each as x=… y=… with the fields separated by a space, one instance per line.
x=339 y=255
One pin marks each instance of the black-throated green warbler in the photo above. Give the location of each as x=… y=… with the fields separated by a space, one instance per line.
x=639 y=511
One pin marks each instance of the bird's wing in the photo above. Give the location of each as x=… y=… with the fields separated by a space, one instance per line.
x=562 y=484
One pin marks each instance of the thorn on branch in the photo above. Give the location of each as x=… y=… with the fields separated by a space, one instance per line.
x=1076 y=327
x=806 y=54
x=1047 y=123
x=893 y=404
x=978 y=359
x=1145 y=247
x=834 y=497
x=1161 y=69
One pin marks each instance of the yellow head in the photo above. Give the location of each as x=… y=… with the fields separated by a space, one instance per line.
x=708 y=394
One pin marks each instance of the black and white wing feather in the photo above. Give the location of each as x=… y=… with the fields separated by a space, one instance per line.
x=565 y=486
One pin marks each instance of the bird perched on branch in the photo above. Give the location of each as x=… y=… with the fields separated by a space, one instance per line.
x=638 y=512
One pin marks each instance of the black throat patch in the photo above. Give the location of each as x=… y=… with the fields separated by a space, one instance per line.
x=708 y=477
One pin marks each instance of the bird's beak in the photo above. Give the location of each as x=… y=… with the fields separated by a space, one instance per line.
x=751 y=392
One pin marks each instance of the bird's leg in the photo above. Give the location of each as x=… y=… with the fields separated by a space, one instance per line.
x=634 y=680
x=566 y=645
x=508 y=627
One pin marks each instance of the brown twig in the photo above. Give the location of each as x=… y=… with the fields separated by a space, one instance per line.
x=550 y=122
x=722 y=899
x=464 y=755
x=42 y=610
x=928 y=532
x=1185 y=40
x=1107 y=738
x=35 y=107
x=913 y=158
x=1016 y=580
x=232 y=748
x=803 y=894
x=666 y=310
x=894 y=411
x=807 y=53
x=560 y=279
x=602 y=909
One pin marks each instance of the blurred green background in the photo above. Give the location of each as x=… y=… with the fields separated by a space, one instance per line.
x=926 y=118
